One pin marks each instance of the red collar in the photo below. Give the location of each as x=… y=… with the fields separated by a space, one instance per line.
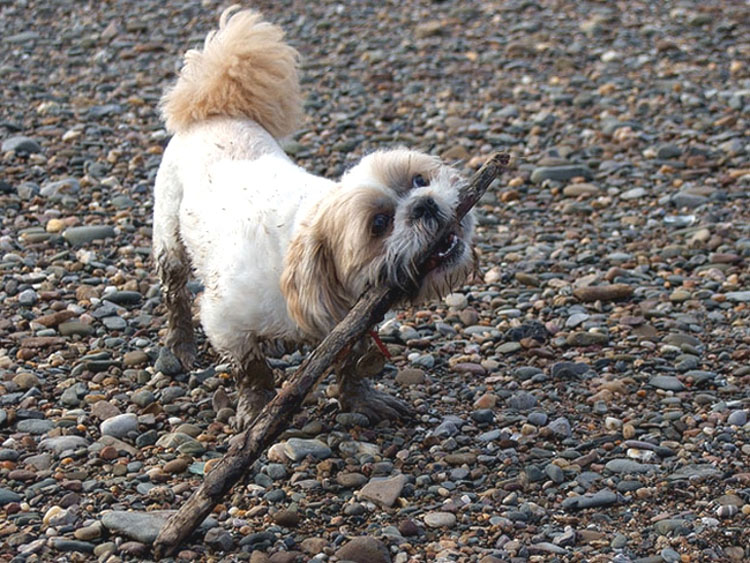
x=380 y=345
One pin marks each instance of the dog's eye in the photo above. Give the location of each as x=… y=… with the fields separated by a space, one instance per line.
x=418 y=181
x=380 y=224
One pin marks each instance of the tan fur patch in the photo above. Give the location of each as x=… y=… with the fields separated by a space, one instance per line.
x=244 y=70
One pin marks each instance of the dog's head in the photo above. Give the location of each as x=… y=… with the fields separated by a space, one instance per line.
x=371 y=230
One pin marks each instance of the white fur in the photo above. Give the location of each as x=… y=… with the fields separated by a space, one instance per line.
x=282 y=253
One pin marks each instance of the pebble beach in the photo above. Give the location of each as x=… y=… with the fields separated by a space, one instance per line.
x=583 y=397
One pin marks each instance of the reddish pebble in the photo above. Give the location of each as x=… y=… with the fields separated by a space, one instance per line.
x=21 y=475
x=109 y=453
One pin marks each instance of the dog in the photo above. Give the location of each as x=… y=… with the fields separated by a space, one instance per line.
x=284 y=254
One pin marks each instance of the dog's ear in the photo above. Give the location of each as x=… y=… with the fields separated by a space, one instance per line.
x=315 y=297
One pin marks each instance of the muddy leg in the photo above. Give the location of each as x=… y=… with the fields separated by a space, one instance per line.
x=255 y=389
x=174 y=269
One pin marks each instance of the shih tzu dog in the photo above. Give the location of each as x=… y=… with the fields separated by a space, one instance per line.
x=283 y=254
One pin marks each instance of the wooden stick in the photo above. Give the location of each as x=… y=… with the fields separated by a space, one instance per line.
x=275 y=417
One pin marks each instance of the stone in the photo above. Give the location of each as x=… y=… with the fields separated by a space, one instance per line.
x=60 y=444
x=219 y=539
x=34 y=426
x=78 y=236
x=695 y=471
x=104 y=410
x=298 y=449
x=167 y=363
x=21 y=144
x=666 y=382
x=581 y=190
x=62 y=544
x=439 y=519
x=134 y=358
x=143 y=398
x=628 y=466
x=8 y=496
x=611 y=292
x=119 y=426
x=410 y=376
x=737 y=418
x=738 y=296
x=140 y=526
x=560 y=427
x=560 y=173
x=384 y=491
x=600 y=499
x=351 y=480
x=26 y=380
x=364 y=549
x=522 y=401
x=587 y=339
x=123 y=298
x=286 y=518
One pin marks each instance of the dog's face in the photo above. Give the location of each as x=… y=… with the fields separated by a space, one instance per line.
x=371 y=230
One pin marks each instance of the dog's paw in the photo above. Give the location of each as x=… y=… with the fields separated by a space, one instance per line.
x=375 y=405
x=249 y=404
x=185 y=352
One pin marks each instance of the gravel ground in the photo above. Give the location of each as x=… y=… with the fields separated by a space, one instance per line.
x=584 y=398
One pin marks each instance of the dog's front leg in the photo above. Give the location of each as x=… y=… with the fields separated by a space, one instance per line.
x=255 y=388
x=356 y=393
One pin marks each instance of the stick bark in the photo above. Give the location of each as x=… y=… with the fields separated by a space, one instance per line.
x=275 y=417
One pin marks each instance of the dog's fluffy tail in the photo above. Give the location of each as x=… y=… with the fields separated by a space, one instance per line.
x=244 y=70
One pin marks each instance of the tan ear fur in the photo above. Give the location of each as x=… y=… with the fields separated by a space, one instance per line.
x=315 y=298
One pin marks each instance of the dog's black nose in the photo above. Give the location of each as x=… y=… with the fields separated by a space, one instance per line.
x=424 y=209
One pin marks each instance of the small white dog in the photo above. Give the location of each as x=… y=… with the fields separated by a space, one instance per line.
x=283 y=254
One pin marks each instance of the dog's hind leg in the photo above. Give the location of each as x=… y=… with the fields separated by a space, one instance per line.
x=173 y=267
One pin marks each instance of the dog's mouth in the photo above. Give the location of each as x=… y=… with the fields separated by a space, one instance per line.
x=448 y=249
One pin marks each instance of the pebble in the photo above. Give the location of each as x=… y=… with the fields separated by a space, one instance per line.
x=65 y=545
x=384 y=492
x=167 y=363
x=439 y=519
x=410 y=376
x=219 y=539
x=119 y=426
x=299 y=448
x=364 y=549
x=666 y=382
x=627 y=466
x=737 y=418
x=140 y=526
x=351 y=480
x=20 y=144
x=610 y=288
x=610 y=292
x=560 y=427
x=34 y=426
x=7 y=496
x=560 y=173
x=597 y=500
x=78 y=236
x=89 y=533
x=60 y=444
x=522 y=401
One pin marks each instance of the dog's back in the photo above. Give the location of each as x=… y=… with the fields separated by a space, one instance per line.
x=244 y=70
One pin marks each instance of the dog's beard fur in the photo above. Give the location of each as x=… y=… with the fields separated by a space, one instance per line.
x=335 y=255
